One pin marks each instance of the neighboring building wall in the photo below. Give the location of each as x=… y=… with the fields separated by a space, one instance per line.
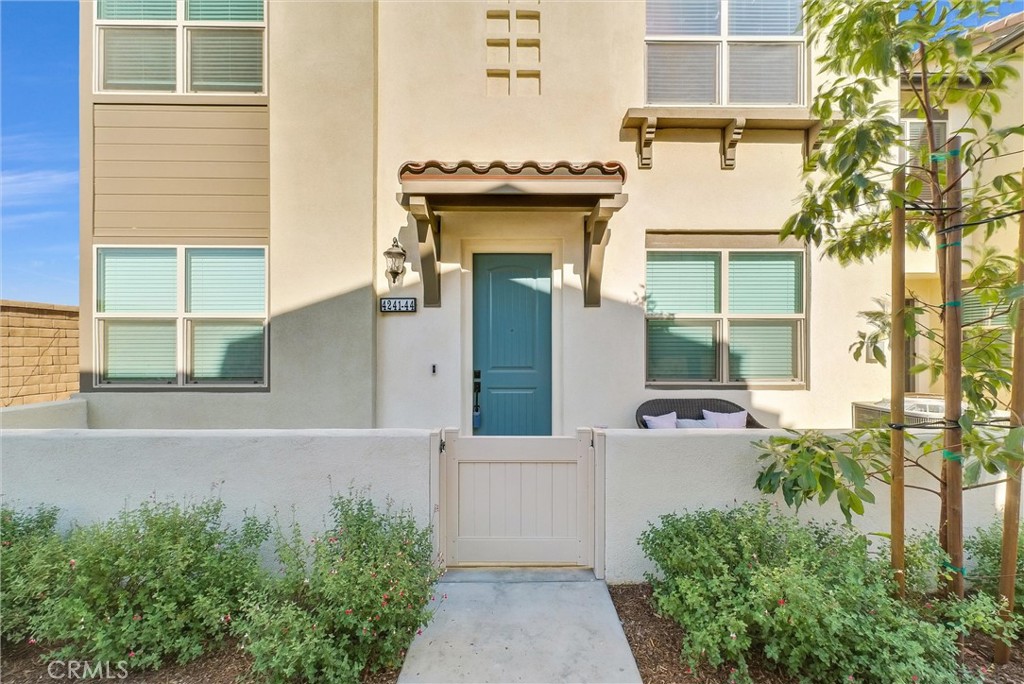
x=38 y=352
x=922 y=278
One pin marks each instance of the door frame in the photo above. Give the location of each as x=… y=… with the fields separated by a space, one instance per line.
x=471 y=246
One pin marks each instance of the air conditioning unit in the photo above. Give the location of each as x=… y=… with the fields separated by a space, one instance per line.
x=917 y=409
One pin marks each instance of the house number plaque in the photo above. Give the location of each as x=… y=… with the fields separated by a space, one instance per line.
x=397 y=304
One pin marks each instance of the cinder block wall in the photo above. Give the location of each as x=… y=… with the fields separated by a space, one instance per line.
x=38 y=352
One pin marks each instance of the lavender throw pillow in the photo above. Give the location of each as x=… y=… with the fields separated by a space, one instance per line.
x=726 y=420
x=661 y=422
x=693 y=423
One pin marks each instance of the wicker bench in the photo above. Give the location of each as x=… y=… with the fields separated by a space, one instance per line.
x=690 y=408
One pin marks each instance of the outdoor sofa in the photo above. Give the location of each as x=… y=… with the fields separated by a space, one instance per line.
x=690 y=408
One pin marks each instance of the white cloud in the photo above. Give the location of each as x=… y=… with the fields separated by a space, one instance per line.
x=36 y=219
x=22 y=188
x=27 y=149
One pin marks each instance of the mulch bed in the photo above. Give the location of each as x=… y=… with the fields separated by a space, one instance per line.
x=22 y=664
x=657 y=642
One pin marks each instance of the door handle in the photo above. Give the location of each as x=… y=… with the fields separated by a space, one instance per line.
x=476 y=399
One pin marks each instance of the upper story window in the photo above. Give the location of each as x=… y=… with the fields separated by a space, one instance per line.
x=180 y=46
x=725 y=52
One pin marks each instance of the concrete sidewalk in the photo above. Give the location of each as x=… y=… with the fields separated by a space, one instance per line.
x=521 y=625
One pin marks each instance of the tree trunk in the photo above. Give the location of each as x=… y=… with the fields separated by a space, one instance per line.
x=1011 y=507
x=952 y=448
x=897 y=369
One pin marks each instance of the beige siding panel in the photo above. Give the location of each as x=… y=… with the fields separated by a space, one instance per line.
x=174 y=202
x=185 y=153
x=180 y=136
x=178 y=234
x=184 y=219
x=180 y=171
x=157 y=116
x=194 y=187
x=176 y=169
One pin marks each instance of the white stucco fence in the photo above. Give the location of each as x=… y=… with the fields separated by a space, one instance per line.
x=640 y=475
x=649 y=473
x=68 y=413
x=93 y=474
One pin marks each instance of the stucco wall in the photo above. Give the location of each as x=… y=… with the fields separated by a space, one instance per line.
x=321 y=75
x=69 y=413
x=599 y=351
x=649 y=473
x=92 y=475
x=38 y=352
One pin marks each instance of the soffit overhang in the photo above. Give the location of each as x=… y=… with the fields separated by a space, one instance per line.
x=592 y=188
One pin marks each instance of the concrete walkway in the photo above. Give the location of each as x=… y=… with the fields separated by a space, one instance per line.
x=521 y=625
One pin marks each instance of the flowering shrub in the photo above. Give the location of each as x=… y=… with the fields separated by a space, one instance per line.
x=26 y=539
x=349 y=599
x=985 y=549
x=158 y=582
x=810 y=598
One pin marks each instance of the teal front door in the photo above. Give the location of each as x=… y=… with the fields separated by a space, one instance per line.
x=512 y=344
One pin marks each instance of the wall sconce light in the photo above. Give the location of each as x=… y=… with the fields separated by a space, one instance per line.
x=394 y=260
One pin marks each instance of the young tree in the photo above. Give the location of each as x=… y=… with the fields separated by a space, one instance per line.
x=870 y=50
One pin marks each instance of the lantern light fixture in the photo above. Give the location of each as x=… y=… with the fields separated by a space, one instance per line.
x=394 y=260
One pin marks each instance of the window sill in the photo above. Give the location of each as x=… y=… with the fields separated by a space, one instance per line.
x=732 y=122
x=181 y=98
x=177 y=389
x=784 y=387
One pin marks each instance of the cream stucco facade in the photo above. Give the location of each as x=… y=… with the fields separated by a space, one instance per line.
x=354 y=90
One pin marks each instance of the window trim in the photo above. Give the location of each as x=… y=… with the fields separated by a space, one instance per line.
x=182 y=321
x=722 y=319
x=723 y=40
x=182 y=51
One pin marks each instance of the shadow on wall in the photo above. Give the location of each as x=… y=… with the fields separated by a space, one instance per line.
x=320 y=374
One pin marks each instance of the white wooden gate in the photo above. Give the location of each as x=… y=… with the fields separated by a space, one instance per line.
x=518 y=500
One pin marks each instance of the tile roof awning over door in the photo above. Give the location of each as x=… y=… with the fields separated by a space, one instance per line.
x=594 y=188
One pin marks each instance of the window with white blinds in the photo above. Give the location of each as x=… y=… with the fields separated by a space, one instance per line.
x=181 y=316
x=195 y=46
x=993 y=319
x=725 y=52
x=725 y=316
x=915 y=151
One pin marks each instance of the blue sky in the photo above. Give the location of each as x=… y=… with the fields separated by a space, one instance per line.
x=39 y=154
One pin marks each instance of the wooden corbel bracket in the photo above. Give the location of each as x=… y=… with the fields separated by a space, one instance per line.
x=812 y=143
x=595 y=239
x=428 y=235
x=645 y=142
x=731 y=136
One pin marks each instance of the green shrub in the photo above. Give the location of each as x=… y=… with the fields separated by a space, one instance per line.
x=159 y=582
x=985 y=550
x=26 y=540
x=926 y=565
x=349 y=599
x=810 y=598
